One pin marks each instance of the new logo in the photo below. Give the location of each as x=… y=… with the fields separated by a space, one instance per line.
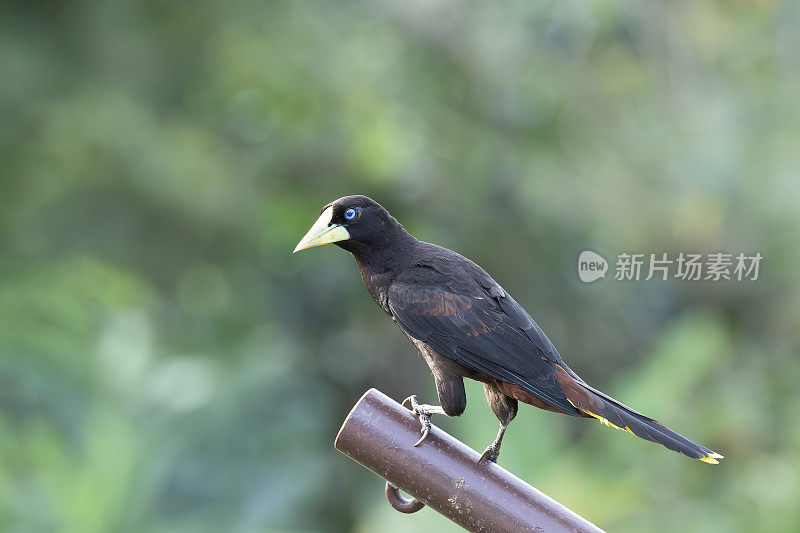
x=591 y=266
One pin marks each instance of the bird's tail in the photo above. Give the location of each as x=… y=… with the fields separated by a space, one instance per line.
x=614 y=414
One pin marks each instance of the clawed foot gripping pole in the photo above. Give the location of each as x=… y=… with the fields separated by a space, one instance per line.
x=423 y=412
x=443 y=473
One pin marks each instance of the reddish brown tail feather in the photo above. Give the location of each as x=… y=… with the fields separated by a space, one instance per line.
x=615 y=414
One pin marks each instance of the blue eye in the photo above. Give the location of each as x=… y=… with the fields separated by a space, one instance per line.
x=350 y=214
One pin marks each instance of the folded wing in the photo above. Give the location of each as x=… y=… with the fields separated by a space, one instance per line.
x=466 y=321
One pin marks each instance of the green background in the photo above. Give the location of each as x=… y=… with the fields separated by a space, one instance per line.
x=166 y=363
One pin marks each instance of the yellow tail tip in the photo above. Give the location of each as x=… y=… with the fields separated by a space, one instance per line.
x=712 y=458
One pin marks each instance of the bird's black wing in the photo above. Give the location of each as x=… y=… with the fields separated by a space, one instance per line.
x=469 y=318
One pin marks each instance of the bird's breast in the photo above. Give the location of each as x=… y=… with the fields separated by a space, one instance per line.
x=377 y=283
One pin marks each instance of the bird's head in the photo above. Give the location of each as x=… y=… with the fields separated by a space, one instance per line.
x=355 y=223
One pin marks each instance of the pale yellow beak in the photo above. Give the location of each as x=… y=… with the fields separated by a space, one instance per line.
x=322 y=232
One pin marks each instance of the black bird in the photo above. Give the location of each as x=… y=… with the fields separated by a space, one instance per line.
x=466 y=325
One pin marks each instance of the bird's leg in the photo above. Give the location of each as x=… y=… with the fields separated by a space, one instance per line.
x=493 y=450
x=505 y=409
x=424 y=412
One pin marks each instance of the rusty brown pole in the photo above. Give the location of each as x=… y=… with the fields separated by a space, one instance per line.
x=444 y=474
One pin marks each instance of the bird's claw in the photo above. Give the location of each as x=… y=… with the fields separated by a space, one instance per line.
x=414 y=403
x=490 y=455
x=425 y=420
x=424 y=417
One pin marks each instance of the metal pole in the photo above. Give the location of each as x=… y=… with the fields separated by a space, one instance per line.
x=444 y=474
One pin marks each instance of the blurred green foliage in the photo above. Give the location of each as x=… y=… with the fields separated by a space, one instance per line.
x=166 y=364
